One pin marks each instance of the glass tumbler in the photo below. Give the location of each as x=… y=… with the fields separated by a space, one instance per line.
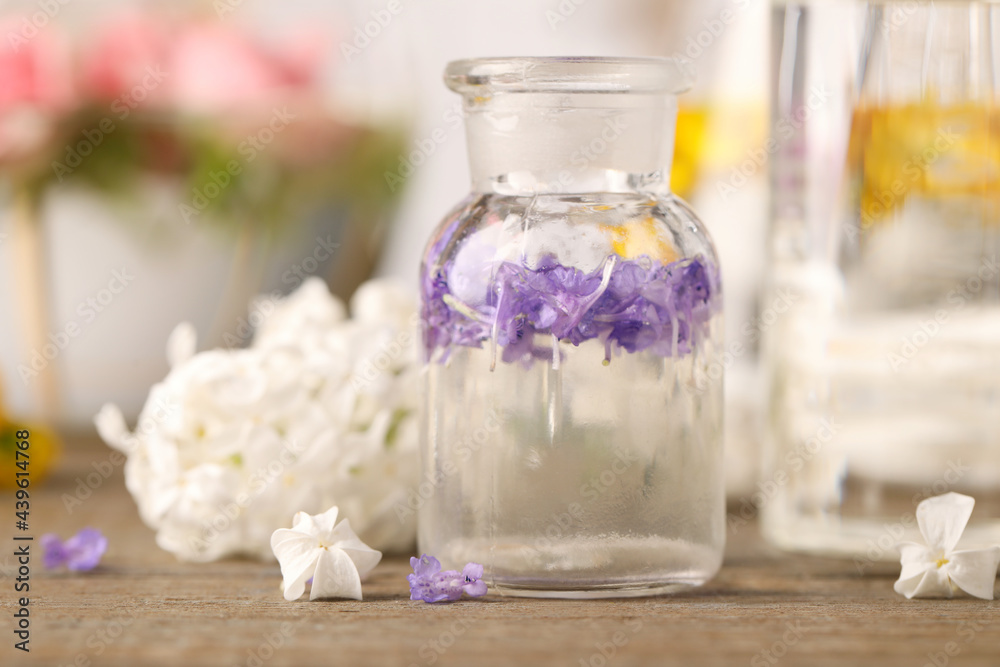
x=885 y=239
x=572 y=324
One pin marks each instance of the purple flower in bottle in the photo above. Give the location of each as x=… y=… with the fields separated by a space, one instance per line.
x=81 y=552
x=430 y=584
x=633 y=304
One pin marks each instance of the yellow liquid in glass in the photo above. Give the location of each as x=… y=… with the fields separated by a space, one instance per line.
x=926 y=150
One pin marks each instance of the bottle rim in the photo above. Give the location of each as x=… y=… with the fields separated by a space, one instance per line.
x=476 y=76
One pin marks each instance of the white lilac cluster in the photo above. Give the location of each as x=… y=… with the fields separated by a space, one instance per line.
x=320 y=410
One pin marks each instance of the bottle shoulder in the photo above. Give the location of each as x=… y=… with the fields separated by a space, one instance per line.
x=579 y=231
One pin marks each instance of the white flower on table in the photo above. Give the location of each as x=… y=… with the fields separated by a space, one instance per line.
x=329 y=553
x=935 y=569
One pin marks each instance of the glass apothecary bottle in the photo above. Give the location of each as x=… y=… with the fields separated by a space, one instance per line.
x=572 y=322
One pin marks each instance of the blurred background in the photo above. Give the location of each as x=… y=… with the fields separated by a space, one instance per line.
x=168 y=161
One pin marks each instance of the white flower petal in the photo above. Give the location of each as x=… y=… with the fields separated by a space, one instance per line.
x=364 y=557
x=915 y=559
x=975 y=570
x=907 y=586
x=182 y=344
x=943 y=518
x=304 y=317
x=298 y=555
x=383 y=300
x=111 y=427
x=325 y=523
x=156 y=504
x=336 y=576
x=303 y=522
x=158 y=488
x=932 y=583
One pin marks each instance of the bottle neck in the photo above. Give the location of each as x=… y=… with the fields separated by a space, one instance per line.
x=549 y=143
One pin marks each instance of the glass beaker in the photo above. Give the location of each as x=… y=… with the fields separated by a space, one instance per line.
x=886 y=240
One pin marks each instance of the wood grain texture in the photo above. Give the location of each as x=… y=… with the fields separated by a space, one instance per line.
x=142 y=607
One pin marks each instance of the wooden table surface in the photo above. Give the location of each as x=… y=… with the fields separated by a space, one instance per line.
x=143 y=607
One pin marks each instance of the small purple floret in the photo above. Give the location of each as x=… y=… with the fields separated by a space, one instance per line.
x=81 y=552
x=474 y=585
x=430 y=584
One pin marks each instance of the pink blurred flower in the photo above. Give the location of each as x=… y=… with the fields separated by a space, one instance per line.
x=123 y=52
x=207 y=67
x=215 y=68
x=34 y=72
x=158 y=63
x=35 y=88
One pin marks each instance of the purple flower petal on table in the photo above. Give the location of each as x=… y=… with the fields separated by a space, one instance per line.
x=475 y=589
x=86 y=549
x=472 y=571
x=81 y=552
x=430 y=584
x=474 y=586
x=427 y=592
x=55 y=553
x=425 y=565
